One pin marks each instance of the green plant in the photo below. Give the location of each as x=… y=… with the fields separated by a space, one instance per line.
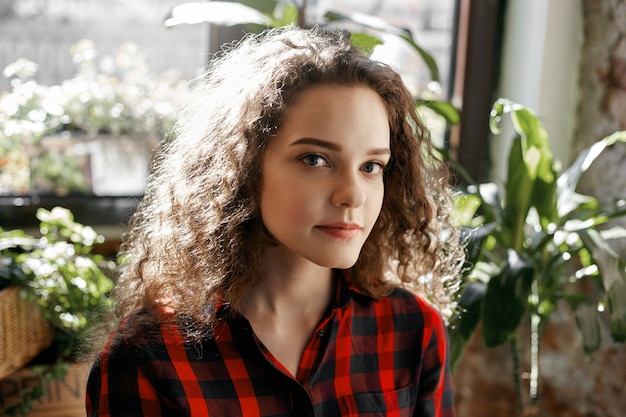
x=530 y=243
x=60 y=273
x=367 y=32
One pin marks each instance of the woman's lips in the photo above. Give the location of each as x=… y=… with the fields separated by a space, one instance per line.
x=341 y=230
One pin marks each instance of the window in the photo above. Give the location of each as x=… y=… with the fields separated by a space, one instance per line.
x=94 y=79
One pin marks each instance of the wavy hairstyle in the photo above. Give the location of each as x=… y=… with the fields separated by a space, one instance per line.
x=197 y=238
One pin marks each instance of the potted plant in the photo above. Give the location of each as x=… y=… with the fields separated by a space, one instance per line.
x=531 y=242
x=59 y=273
x=367 y=32
x=94 y=133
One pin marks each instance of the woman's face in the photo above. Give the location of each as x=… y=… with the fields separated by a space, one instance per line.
x=322 y=175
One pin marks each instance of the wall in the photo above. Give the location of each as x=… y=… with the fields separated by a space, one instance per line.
x=602 y=109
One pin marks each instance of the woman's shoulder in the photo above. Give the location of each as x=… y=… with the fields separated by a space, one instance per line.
x=410 y=306
x=139 y=328
x=164 y=326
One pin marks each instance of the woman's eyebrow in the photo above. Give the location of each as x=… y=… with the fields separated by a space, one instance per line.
x=335 y=147
x=379 y=151
x=317 y=142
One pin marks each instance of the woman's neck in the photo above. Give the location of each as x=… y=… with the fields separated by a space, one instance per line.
x=300 y=285
x=286 y=306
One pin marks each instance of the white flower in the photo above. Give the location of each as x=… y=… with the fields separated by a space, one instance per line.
x=70 y=320
x=79 y=282
x=22 y=69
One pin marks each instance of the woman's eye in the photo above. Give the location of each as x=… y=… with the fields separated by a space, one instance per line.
x=373 y=167
x=314 y=160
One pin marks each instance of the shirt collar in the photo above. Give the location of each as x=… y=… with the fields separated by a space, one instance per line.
x=344 y=293
x=346 y=290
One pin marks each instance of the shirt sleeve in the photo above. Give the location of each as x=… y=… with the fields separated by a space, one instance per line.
x=435 y=397
x=117 y=386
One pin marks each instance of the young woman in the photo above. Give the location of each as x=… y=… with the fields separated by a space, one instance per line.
x=282 y=257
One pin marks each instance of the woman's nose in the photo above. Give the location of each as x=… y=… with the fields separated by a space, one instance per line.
x=349 y=191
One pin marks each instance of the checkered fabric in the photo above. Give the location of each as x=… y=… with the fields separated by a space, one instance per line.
x=367 y=357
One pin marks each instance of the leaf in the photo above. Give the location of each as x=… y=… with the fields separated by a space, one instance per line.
x=537 y=156
x=616 y=300
x=367 y=20
x=519 y=188
x=531 y=174
x=500 y=107
x=465 y=207
x=287 y=15
x=217 y=12
x=470 y=304
x=506 y=300
x=364 y=42
x=588 y=322
x=428 y=58
x=474 y=238
x=455 y=165
x=490 y=195
x=457 y=346
x=536 y=146
x=376 y=23
x=613 y=275
x=616 y=232
x=451 y=114
x=465 y=321
x=606 y=258
x=568 y=180
x=264 y=6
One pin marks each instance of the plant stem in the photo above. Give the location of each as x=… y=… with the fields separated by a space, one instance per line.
x=535 y=320
x=517 y=375
x=302 y=15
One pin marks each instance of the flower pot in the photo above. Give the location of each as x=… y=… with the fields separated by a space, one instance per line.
x=102 y=165
x=62 y=398
x=24 y=332
x=120 y=165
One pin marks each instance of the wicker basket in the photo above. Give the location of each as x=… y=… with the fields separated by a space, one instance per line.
x=23 y=331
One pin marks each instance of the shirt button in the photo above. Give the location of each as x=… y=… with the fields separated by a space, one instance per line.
x=320 y=333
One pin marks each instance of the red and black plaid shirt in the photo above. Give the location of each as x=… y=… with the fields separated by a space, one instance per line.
x=385 y=357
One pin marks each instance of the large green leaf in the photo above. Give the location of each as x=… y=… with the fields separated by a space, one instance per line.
x=457 y=346
x=364 y=42
x=376 y=23
x=537 y=156
x=491 y=208
x=470 y=305
x=568 y=180
x=506 y=300
x=264 y=6
x=464 y=323
x=284 y=14
x=531 y=175
x=217 y=12
x=458 y=169
x=451 y=114
x=613 y=275
x=519 y=189
x=608 y=261
x=616 y=232
x=474 y=238
x=529 y=127
x=616 y=300
x=465 y=207
x=588 y=322
x=428 y=58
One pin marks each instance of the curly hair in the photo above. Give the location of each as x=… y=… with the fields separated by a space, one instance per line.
x=197 y=239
